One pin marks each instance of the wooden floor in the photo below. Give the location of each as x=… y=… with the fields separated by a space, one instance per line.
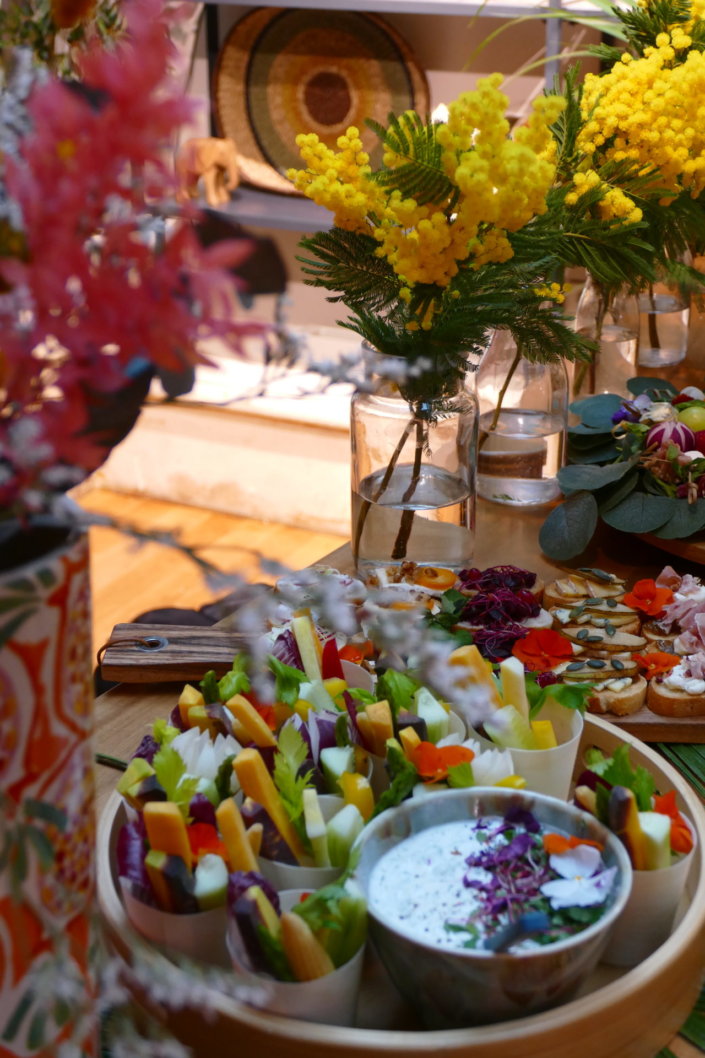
x=129 y=578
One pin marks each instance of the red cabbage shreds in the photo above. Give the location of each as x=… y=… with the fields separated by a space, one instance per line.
x=201 y=809
x=518 y=816
x=130 y=855
x=325 y=724
x=352 y=713
x=499 y=607
x=512 y=577
x=221 y=719
x=147 y=749
x=496 y=644
x=285 y=650
x=547 y=679
x=175 y=719
x=240 y=881
x=273 y=845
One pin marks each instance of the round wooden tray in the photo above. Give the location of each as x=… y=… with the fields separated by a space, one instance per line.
x=630 y=1014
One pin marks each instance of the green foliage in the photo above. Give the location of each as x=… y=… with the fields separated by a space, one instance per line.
x=170 y=770
x=288 y=681
x=569 y=528
x=236 y=681
x=421 y=176
x=291 y=754
x=607 y=477
x=617 y=770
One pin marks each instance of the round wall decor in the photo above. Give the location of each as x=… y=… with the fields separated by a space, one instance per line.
x=282 y=71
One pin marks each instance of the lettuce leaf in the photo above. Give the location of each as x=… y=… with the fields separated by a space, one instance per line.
x=291 y=753
x=171 y=773
x=236 y=681
x=617 y=770
x=398 y=688
x=288 y=681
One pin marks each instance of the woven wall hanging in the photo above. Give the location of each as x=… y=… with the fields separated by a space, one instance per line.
x=283 y=71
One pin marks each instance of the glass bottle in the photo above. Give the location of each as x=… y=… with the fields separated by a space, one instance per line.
x=664 y=318
x=523 y=413
x=610 y=318
x=412 y=475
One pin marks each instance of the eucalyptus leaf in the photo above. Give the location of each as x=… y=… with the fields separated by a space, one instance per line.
x=581 y=429
x=569 y=527
x=597 y=411
x=606 y=453
x=687 y=518
x=578 y=476
x=611 y=495
x=640 y=513
x=644 y=384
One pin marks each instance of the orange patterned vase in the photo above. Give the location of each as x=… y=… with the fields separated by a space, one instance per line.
x=47 y=939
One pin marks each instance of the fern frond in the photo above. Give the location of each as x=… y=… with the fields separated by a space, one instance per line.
x=346 y=262
x=420 y=175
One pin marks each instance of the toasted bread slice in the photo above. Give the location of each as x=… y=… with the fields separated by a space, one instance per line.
x=598 y=670
x=623 y=619
x=622 y=702
x=669 y=701
x=598 y=641
x=583 y=584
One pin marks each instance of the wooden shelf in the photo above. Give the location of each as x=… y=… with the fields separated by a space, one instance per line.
x=269 y=209
x=489 y=9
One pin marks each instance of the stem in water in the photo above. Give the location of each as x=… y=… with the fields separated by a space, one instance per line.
x=407 y=518
x=366 y=504
x=654 y=339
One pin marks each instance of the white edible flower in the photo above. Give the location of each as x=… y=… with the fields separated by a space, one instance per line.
x=659 y=411
x=491 y=766
x=202 y=754
x=579 y=885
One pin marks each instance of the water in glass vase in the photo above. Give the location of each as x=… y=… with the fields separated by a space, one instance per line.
x=429 y=521
x=663 y=329
x=518 y=460
x=614 y=364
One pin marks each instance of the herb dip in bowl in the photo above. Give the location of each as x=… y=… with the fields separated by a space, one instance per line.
x=487 y=904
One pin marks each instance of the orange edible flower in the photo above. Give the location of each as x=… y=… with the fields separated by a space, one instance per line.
x=656 y=663
x=432 y=762
x=356 y=652
x=556 y=844
x=647 y=597
x=681 y=837
x=542 y=649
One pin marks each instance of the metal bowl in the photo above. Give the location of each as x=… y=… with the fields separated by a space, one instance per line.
x=455 y=989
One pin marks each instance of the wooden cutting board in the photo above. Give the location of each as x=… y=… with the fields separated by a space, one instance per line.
x=139 y=653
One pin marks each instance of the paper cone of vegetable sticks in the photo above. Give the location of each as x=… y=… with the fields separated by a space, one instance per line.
x=379 y=779
x=200 y=936
x=650 y=912
x=329 y=1000
x=549 y=771
x=291 y=875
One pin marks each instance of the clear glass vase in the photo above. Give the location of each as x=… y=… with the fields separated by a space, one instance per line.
x=412 y=476
x=611 y=319
x=523 y=412
x=664 y=319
